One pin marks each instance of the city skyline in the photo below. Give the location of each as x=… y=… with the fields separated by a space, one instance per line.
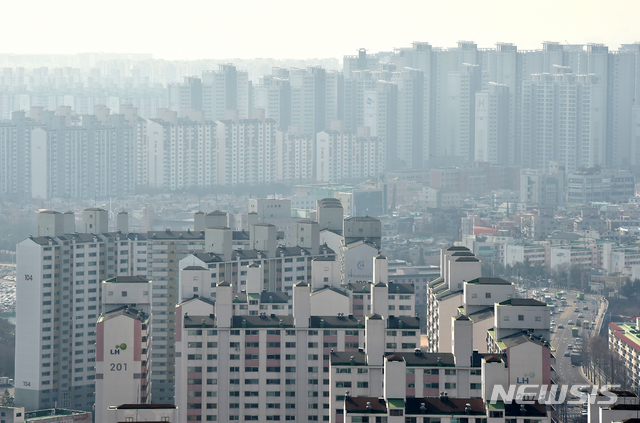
x=331 y=32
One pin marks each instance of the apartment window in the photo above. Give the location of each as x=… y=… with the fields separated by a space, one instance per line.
x=520 y=317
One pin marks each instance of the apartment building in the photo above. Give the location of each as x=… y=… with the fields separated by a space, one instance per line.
x=82 y=156
x=294 y=156
x=248 y=365
x=177 y=153
x=59 y=301
x=246 y=149
x=342 y=155
x=624 y=342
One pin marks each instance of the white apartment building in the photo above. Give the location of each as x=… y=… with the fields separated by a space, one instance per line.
x=123 y=351
x=408 y=145
x=246 y=150
x=461 y=291
x=624 y=342
x=462 y=86
x=226 y=89
x=492 y=139
x=58 y=304
x=273 y=94
x=294 y=156
x=249 y=367
x=15 y=154
x=342 y=155
x=81 y=157
x=177 y=153
x=563 y=119
x=308 y=99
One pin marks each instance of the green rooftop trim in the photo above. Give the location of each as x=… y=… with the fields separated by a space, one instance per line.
x=498 y=405
x=253 y=296
x=395 y=403
x=48 y=413
x=631 y=332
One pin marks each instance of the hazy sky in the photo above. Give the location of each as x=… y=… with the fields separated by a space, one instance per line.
x=302 y=29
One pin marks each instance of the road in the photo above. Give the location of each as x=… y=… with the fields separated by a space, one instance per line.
x=566 y=373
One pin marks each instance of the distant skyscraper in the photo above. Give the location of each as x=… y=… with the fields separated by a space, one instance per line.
x=462 y=86
x=82 y=156
x=381 y=116
x=342 y=155
x=187 y=95
x=226 y=89
x=409 y=141
x=563 y=119
x=294 y=156
x=492 y=124
x=177 y=153
x=273 y=94
x=308 y=99
x=246 y=150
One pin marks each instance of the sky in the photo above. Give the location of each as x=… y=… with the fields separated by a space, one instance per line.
x=303 y=29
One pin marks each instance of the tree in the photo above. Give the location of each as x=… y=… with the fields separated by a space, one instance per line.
x=7 y=348
x=7 y=399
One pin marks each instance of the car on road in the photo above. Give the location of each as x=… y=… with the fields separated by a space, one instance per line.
x=584 y=389
x=585 y=308
x=560 y=326
x=567 y=354
x=561 y=310
x=570 y=322
x=581 y=316
x=553 y=322
x=569 y=347
x=575 y=310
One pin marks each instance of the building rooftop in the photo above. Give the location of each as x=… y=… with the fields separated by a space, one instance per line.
x=625 y=407
x=190 y=322
x=124 y=311
x=519 y=338
x=530 y=410
x=263 y=321
x=343 y=358
x=424 y=359
x=330 y=288
x=51 y=412
x=359 y=405
x=274 y=297
x=445 y=405
x=400 y=288
x=487 y=313
x=403 y=322
x=194 y=268
x=207 y=257
x=457 y=248
x=489 y=281
x=145 y=406
x=627 y=333
x=336 y=322
x=466 y=258
x=128 y=279
x=520 y=302
x=173 y=235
